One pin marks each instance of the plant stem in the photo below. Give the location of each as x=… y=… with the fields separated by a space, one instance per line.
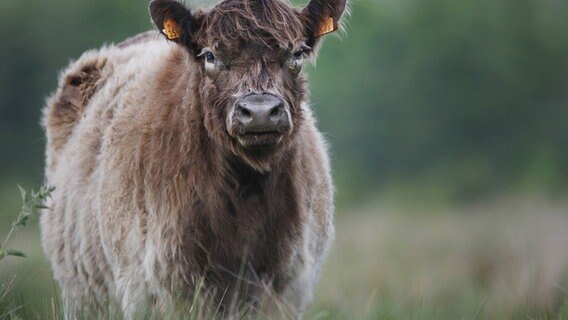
x=3 y=247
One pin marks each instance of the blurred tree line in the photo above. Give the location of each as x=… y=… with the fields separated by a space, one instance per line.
x=467 y=96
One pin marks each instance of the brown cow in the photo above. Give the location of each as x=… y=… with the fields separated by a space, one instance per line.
x=192 y=161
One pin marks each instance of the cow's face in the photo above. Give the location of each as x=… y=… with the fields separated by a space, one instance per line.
x=250 y=54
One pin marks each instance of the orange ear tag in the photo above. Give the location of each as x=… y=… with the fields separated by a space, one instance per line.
x=327 y=26
x=171 y=29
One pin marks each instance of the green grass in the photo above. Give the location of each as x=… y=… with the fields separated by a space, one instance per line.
x=507 y=259
x=503 y=260
x=32 y=202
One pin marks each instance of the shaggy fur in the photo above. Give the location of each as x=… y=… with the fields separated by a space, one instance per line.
x=153 y=193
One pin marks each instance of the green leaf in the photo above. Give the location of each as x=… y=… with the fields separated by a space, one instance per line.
x=22 y=193
x=41 y=206
x=16 y=253
x=22 y=220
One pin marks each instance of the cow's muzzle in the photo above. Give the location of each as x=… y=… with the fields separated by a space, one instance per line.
x=259 y=120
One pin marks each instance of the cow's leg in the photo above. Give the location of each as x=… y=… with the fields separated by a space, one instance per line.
x=71 y=305
x=299 y=292
x=134 y=297
x=77 y=304
x=80 y=302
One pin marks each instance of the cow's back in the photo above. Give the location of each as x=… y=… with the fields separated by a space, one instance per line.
x=92 y=91
x=97 y=75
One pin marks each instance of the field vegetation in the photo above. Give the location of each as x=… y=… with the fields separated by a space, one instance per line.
x=503 y=259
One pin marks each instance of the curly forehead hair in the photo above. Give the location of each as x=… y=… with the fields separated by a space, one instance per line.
x=268 y=22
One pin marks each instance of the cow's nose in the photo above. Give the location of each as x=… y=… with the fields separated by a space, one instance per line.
x=261 y=113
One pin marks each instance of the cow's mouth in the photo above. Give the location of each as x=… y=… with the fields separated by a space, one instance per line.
x=260 y=140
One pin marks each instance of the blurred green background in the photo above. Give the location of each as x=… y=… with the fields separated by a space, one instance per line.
x=434 y=109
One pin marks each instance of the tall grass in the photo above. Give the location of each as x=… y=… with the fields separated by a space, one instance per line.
x=505 y=259
x=32 y=202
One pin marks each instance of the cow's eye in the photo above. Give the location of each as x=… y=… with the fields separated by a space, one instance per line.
x=299 y=54
x=209 y=57
x=212 y=65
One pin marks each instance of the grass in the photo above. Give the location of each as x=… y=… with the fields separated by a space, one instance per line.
x=503 y=260
x=507 y=259
x=32 y=202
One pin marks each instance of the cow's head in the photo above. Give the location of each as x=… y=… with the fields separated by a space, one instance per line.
x=249 y=56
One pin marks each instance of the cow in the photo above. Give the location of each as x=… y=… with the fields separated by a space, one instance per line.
x=187 y=160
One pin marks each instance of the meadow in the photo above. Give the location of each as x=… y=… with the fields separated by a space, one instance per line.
x=504 y=259
x=500 y=259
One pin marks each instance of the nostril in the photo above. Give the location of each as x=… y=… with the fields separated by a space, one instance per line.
x=246 y=113
x=243 y=112
x=276 y=111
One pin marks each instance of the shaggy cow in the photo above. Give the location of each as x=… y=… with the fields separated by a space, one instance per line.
x=191 y=161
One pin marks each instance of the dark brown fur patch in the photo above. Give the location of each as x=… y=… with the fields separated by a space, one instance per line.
x=70 y=101
x=273 y=23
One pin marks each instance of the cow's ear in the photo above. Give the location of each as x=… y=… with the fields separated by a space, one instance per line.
x=173 y=20
x=322 y=17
